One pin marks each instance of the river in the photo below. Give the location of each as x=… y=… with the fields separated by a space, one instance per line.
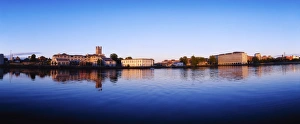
x=226 y=94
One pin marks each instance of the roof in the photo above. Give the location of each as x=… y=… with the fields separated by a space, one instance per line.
x=231 y=53
x=139 y=59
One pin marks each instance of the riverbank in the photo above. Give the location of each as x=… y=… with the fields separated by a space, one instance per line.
x=152 y=67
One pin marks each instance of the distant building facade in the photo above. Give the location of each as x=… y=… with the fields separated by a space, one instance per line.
x=92 y=59
x=232 y=58
x=257 y=55
x=169 y=63
x=178 y=64
x=1 y=59
x=249 y=58
x=295 y=57
x=109 y=62
x=137 y=62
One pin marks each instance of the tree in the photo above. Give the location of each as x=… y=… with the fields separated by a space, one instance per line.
x=201 y=59
x=255 y=60
x=26 y=60
x=18 y=58
x=184 y=60
x=48 y=61
x=212 y=60
x=33 y=58
x=100 y=62
x=42 y=58
x=194 y=61
x=114 y=56
x=129 y=57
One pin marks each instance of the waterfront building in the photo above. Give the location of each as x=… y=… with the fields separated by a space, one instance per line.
x=142 y=62
x=266 y=57
x=295 y=57
x=169 y=63
x=258 y=55
x=1 y=59
x=60 y=61
x=92 y=59
x=288 y=57
x=232 y=58
x=109 y=62
x=178 y=64
x=249 y=58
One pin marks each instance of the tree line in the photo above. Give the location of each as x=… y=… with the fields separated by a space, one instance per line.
x=194 y=61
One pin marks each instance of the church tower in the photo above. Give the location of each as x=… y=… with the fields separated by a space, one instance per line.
x=98 y=50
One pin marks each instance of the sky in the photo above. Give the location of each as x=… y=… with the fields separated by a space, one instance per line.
x=158 y=29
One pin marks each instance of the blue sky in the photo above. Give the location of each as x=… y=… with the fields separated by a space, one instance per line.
x=159 y=29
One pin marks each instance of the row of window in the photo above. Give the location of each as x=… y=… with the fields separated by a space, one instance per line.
x=136 y=61
x=77 y=57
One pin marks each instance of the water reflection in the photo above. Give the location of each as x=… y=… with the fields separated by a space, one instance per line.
x=1 y=73
x=231 y=73
x=96 y=76
x=130 y=74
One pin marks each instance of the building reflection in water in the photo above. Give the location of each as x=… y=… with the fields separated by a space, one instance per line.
x=233 y=72
x=1 y=73
x=184 y=74
x=97 y=76
x=100 y=76
x=130 y=74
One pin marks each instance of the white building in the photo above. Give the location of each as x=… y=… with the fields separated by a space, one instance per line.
x=1 y=59
x=60 y=61
x=142 y=62
x=177 y=64
x=295 y=57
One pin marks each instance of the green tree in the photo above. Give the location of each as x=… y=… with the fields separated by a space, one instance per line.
x=194 y=61
x=129 y=57
x=99 y=62
x=255 y=60
x=33 y=58
x=114 y=56
x=184 y=60
x=212 y=60
x=48 y=61
x=18 y=58
x=201 y=59
x=42 y=58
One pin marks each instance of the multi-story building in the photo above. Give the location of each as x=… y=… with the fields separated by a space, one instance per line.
x=258 y=55
x=295 y=57
x=249 y=58
x=137 y=62
x=1 y=59
x=93 y=59
x=232 y=58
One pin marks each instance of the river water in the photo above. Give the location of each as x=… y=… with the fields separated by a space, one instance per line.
x=227 y=94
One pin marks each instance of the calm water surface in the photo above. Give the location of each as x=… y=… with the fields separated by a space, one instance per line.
x=231 y=94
